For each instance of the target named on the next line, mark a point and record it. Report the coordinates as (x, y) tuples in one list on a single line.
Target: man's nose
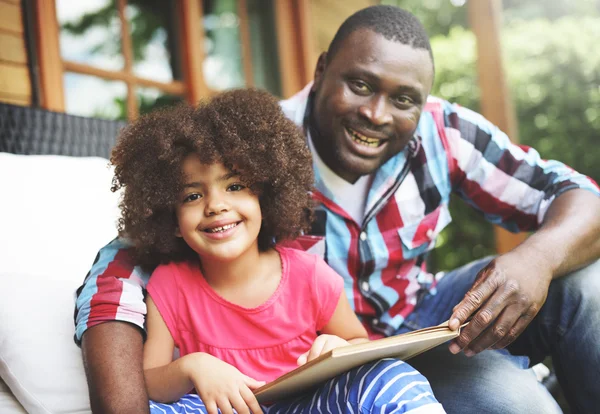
[(376, 110), (215, 204)]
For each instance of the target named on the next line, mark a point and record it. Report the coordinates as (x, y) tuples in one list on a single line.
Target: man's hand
[(222, 386), (323, 344), (506, 296)]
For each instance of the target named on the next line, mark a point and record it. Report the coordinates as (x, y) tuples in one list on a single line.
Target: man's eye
[(404, 100), (192, 197), (359, 87), (235, 187)]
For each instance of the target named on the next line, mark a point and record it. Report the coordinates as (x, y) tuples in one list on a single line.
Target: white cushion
[(8, 402), (55, 213)]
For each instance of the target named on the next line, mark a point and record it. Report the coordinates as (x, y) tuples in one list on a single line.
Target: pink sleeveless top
[(264, 342)]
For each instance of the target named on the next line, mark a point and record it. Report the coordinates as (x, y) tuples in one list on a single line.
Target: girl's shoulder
[(171, 272), (297, 257), (302, 263)]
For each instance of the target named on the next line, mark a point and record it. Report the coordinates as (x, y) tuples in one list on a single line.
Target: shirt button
[(375, 322), (429, 233), (363, 236), (365, 286)]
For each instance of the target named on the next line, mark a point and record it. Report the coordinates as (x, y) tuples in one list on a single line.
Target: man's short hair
[(393, 23)]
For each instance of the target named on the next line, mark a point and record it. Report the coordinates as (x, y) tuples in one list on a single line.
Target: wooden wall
[(15, 82), (326, 18)]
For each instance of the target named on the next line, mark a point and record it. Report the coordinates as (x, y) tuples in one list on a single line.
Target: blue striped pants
[(386, 386)]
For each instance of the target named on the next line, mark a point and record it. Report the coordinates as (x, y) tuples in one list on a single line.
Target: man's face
[(367, 103)]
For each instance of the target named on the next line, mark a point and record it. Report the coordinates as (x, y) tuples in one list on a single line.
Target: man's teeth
[(363, 140), (221, 229)]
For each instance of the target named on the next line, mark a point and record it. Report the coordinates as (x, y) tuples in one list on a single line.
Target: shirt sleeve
[(113, 290), (164, 291), (511, 184), (328, 289)]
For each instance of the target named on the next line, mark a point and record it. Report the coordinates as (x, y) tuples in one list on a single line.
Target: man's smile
[(364, 139)]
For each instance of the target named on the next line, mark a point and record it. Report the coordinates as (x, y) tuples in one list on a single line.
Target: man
[(387, 157)]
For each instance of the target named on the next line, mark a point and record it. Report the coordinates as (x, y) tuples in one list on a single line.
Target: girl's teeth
[(222, 229)]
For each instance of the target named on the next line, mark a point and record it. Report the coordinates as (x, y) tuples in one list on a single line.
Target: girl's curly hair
[(243, 128)]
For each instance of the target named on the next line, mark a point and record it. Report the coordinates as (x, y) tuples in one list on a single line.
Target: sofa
[(56, 211)]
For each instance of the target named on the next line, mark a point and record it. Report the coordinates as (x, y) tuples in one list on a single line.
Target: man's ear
[(319, 71)]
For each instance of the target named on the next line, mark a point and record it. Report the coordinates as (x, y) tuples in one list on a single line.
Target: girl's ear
[(177, 232)]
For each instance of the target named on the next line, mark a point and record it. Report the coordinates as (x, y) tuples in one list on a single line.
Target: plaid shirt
[(382, 260)]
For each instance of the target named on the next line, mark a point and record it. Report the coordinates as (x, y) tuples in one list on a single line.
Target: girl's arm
[(345, 324), (343, 329), (220, 385), (166, 380)]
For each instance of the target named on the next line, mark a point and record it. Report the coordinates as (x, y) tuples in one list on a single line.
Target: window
[(118, 59)]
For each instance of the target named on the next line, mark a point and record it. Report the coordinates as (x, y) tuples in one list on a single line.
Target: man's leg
[(491, 382), (568, 328)]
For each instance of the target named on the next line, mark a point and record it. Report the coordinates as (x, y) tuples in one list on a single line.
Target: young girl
[(208, 192)]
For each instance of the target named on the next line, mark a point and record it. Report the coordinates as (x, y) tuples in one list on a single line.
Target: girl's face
[(218, 216)]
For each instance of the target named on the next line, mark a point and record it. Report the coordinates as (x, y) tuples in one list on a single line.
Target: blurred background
[(531, 66)]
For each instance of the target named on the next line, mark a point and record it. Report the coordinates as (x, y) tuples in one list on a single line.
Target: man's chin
[(353, 169)]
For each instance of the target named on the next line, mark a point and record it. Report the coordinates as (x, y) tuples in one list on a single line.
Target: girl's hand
[(323, 344), (222, 386)]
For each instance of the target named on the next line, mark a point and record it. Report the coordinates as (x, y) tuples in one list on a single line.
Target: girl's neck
[(252, 266)]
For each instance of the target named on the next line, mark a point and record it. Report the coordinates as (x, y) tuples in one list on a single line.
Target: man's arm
[(112, 354), (514, 286), (514, 187), (109, 322)]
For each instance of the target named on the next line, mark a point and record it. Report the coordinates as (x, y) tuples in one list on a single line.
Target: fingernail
[(454, 348), (469, 353)]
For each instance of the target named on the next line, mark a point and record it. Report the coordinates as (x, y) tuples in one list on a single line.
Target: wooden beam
[(192, 51), (51, 68), (15, 99), (485, 17), (10, 18), (13, 49), (127, 50), (14, 80), (294, 41), (242, 10), (173, 88)]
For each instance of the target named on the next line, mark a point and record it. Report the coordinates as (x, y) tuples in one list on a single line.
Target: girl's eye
[(192, 197), (359, 87), (235, 187)]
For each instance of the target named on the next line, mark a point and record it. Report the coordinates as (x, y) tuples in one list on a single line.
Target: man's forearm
[(569, 238), (112, 354)]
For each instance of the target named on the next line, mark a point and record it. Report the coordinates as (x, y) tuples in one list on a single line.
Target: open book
[(340, 360)]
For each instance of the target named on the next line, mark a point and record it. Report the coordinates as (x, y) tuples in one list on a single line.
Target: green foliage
[(438, 16), (146, 18), (553, 70)]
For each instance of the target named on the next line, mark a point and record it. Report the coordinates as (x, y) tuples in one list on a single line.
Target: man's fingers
[(251, 401), (495, 332), (485, 317), (472, 301), (516, 330)]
